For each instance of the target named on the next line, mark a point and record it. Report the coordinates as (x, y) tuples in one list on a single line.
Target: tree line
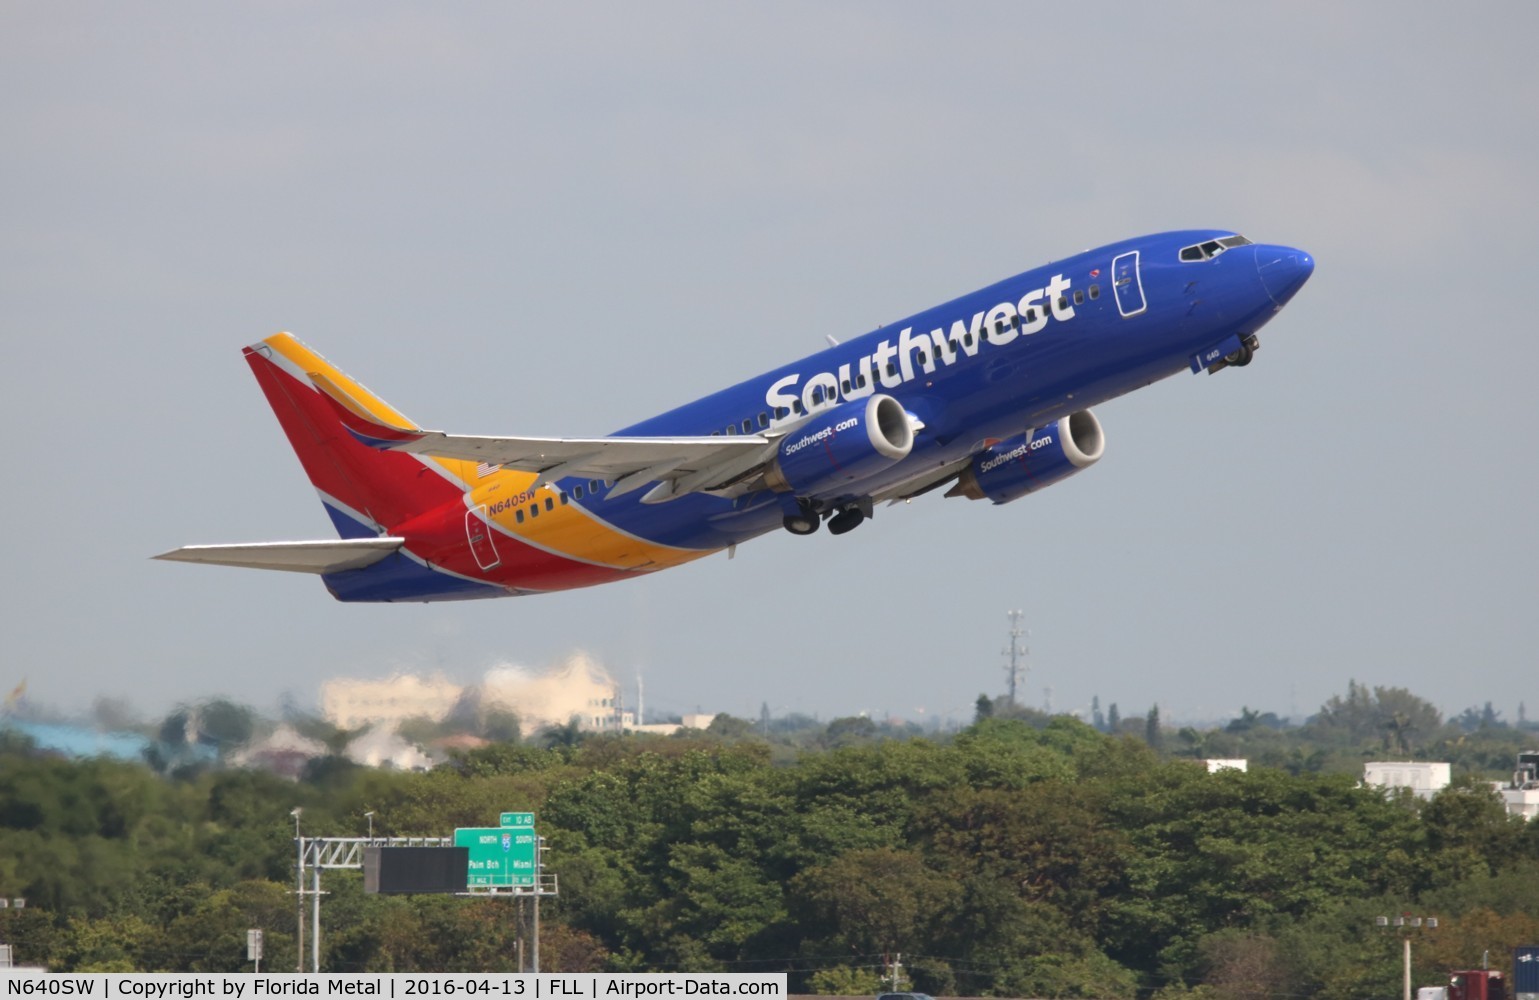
[(1025, 855)]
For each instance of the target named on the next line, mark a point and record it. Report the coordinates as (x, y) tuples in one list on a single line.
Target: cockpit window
[(1212, 248)]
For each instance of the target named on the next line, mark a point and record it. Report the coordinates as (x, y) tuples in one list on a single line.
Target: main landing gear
[(802, 524), (846, 518), (805, 521)]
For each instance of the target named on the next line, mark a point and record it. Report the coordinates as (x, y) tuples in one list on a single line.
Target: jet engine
[(1027, 462), (841, 446)]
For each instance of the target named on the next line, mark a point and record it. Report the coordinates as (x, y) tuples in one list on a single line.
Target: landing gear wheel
[(802, 524), (847, 519), (1240, 358)]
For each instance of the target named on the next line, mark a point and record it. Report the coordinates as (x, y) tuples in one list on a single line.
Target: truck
[(1476, 984)]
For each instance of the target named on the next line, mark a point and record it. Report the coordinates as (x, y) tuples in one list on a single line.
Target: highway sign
[(516, 819), (499, 856)]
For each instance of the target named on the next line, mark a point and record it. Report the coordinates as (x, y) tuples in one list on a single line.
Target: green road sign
[(516, 819), (501, 856)]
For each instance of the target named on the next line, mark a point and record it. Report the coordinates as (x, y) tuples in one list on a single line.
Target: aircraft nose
[(1283, 271)]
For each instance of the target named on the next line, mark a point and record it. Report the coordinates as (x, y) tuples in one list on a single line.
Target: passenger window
[(577, 491), (518, 515), (763, 419), (731, 430), (845, 385), (593, 486), (892, 368), (817, 395), (564, 499), (534, 510), (1095, 291), (549, 503), (1063, 302), (747, 426), (1079, 297)]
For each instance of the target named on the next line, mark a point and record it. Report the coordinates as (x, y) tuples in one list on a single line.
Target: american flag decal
[(485, 469)]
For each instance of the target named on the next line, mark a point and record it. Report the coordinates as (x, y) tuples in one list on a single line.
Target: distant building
[(348, 703), (1425, 778), (1227, 764), (386, 748), (698, 720), (1522, 796), (285, 752), (78, 741), (1520, 801), (656, 728), (577, 688)]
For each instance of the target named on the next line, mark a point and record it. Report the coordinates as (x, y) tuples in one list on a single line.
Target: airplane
[(989, 394)]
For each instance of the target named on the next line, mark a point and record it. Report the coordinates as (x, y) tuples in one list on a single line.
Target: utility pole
[(1017, 653), (299, 893), (895, 972)]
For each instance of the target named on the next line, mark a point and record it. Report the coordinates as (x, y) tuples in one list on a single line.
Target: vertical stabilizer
[(366, 491)]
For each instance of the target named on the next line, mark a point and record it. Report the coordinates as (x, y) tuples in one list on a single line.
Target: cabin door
[(479, 534), (1128, 284)]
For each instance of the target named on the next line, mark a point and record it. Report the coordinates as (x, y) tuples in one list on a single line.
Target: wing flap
[(327, 556), (603, 458), (699, 462)]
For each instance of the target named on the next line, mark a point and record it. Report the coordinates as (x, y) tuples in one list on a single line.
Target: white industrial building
[(1424, 777)]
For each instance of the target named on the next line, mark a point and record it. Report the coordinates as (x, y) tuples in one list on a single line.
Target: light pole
[(299, 892), (370, 817), (1405, 923)]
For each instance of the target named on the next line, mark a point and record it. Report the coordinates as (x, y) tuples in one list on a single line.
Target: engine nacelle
[(841, 446), (1025, 463)]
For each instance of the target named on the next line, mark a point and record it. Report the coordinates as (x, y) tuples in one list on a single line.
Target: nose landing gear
[(1239, 358)]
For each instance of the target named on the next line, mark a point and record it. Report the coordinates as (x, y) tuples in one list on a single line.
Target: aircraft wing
[(329, 556), (681, 464), (693, 462)]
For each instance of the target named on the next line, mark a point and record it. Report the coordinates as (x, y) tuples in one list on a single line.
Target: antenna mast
[(1017, 653)]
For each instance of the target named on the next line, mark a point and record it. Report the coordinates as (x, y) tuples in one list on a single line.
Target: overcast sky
[(560, 219)]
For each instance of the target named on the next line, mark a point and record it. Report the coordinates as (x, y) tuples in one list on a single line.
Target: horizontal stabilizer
[(296, 557)]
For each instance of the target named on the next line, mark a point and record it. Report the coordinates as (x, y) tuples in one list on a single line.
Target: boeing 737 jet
[(988, 395)]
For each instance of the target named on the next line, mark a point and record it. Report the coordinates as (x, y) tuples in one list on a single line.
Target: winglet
[(362, 424)]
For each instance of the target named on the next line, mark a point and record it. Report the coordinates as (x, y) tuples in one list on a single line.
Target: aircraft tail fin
[(337, 428)]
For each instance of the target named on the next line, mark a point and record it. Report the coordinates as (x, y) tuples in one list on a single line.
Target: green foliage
[(1026, 855), (843, 981)]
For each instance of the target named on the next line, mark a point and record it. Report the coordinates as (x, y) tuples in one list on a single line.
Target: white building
[(578, 687), (1424, 777), (1520, 801), (1227, 764), (384, 747), (1522, 796), (348, 703)]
